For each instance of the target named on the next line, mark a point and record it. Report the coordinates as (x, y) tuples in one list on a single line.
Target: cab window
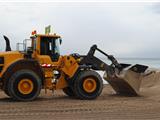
[(50, 46)]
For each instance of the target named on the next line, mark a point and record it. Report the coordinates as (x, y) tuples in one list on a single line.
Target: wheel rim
[(89, 85), (25, 86)]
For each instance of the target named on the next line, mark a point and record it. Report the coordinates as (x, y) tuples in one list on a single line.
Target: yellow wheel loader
[(40, 66)]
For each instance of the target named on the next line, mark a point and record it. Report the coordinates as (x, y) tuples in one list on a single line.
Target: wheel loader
[(24, 73)]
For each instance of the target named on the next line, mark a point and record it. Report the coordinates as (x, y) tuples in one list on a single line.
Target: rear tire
[(68, 91), (88, 85), (24, 85)]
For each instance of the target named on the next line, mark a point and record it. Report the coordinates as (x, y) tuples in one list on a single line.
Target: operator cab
[(47, 45)]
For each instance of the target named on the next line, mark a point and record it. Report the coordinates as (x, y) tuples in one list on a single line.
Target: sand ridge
[(150, 86)]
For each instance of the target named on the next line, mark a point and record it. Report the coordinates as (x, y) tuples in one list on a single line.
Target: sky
[(124, 29)]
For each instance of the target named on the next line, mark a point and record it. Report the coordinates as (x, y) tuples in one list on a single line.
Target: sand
[(107, 106)]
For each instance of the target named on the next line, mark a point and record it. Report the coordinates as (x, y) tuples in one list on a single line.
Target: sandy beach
[(107, 106)]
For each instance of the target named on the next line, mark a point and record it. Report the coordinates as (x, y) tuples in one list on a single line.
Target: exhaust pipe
[(8, 47)]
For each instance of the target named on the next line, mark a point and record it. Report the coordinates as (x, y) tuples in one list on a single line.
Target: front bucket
[(128, 81)]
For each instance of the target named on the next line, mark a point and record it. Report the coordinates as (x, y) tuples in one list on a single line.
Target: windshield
[(56, 48)]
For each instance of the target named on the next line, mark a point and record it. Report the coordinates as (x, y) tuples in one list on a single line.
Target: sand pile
[(150, 85)]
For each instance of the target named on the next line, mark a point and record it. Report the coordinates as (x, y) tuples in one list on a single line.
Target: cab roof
[(50, 35)]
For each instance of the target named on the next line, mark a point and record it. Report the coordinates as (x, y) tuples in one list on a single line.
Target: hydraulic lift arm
[(123, 81), (97, 64)]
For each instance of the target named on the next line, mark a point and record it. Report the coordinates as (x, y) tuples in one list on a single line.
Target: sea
[(151, 62)]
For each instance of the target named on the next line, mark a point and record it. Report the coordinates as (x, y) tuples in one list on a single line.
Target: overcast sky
[(124, 29)]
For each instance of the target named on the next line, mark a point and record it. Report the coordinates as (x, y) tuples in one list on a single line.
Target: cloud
[(156, 8), (122, 29)]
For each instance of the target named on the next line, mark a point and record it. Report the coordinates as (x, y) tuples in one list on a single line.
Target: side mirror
[(60, 41)]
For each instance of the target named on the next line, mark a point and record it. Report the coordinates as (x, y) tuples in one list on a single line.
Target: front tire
[(24, 85), (88, 85)]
